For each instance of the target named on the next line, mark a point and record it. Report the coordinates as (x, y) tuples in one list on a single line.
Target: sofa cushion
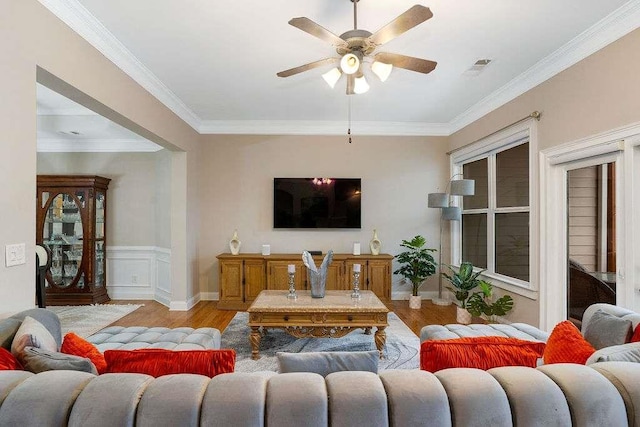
[(78, 346), (157, 362), (32, 333), (617, 353), (326, 362), (605, 330), (8, 329), (479, 352), (8, 361), (567, 345), (38, 360)]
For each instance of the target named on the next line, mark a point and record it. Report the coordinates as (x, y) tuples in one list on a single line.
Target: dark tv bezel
[(315, 228)]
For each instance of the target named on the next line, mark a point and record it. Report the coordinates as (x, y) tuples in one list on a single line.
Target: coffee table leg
[(380, 337), (255, 342)]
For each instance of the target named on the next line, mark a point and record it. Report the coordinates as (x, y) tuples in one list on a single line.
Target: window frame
[(488, 147)]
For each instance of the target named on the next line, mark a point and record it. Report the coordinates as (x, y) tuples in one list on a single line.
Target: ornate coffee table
[(333, 316)]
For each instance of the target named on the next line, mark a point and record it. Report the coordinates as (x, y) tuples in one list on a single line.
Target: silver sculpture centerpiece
[(317, 276)]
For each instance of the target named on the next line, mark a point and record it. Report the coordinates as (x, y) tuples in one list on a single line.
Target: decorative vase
[(415, 301), (317, 276), (318, 284), (463, 316), (375, 243), (234, 243)]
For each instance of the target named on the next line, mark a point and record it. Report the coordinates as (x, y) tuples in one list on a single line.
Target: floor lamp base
[(441, 301)]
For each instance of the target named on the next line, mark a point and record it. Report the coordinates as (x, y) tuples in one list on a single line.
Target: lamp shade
[(360, 85), (381, 70), (438, 200), (452, 213), (350, 63), (463, 187), (332, 76)]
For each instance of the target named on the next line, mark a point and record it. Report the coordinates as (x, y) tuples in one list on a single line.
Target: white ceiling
[(215, 63)]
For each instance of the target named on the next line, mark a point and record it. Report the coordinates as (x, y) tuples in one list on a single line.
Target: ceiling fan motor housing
[(357, 41)]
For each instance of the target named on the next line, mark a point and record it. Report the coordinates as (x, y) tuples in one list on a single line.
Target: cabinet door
[(279, 275), (254, 278), (379, 277), (348, 277), (231, 280), (335, 276)]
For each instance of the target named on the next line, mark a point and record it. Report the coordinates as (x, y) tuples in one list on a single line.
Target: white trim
[(184, 305), (80, 20), (299, 127), (143, 262), (609, 29), (404, 295), (55, 145), (614, 145)]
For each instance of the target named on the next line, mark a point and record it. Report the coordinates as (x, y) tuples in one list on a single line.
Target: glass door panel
[(100, 215), (99, 265)]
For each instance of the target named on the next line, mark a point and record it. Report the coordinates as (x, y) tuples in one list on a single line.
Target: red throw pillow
[(77, 346), (8, 361), (636, 334), (157, 362), (479, 352), (567, 345)]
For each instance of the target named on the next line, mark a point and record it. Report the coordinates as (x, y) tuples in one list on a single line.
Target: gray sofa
[(603, 394)]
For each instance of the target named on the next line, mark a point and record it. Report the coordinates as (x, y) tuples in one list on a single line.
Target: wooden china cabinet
[(71, 218)]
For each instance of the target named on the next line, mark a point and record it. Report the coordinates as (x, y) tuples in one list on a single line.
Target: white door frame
[(617, 146)]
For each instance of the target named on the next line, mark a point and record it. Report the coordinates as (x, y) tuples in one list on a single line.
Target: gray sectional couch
[(603, 394)]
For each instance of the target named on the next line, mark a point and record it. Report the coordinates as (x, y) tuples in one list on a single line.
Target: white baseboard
[(404, 295), (184, 305)]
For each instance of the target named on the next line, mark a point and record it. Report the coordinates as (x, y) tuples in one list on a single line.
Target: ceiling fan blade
[(409, 19), (351, 84), (406, 62), (308, 26), (306, 67)]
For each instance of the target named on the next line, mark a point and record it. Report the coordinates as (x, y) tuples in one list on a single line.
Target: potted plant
[(417, 264), (481, 302), (463, 282)]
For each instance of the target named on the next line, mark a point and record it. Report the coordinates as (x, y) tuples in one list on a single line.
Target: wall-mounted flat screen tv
[(316, 202)]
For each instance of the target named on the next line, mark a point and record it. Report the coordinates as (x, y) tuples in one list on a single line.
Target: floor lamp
[(458, 187)]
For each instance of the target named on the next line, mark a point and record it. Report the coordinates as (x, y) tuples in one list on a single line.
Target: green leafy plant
[(417, 263), (463, 282), (480, 302)]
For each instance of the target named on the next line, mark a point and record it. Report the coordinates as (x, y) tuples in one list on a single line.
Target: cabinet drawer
[(304, 319)]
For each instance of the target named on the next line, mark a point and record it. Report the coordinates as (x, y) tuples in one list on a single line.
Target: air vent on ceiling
[(69, 132), (478, 67)]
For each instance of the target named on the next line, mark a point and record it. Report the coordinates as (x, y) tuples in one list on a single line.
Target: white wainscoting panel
[(139, 272)]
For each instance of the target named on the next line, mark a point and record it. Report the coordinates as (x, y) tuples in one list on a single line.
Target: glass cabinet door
[(63, 235), (99, 253)]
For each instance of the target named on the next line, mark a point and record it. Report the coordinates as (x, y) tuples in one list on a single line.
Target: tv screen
[(316, 202)]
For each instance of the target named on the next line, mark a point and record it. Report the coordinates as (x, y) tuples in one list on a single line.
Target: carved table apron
[(333, 316)]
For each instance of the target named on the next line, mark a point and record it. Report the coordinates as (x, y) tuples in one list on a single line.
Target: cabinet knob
[(286, 318), (350, 318)]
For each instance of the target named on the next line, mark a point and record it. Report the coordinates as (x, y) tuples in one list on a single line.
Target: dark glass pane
[(512, 245), (512, 177), (474, 239), (477, 171)]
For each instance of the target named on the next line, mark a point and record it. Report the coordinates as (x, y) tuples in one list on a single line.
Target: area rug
[(86, 320), (402, 348)]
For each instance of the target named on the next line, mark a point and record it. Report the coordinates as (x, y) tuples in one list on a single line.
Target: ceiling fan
[(355, 45)]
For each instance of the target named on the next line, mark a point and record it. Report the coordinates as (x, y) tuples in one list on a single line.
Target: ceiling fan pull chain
[(349, 116)]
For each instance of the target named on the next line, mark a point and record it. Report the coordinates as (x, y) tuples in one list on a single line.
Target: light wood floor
[(206, 314)]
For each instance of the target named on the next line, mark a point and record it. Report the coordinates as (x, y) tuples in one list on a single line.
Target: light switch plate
[(15, 254)]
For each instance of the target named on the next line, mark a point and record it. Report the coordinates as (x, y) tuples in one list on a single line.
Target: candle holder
[(292, 287), (356, 285)]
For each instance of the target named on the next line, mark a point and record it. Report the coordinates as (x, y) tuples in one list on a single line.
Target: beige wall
[(236, 190), (600, 93), (33, 38), (137, 196)]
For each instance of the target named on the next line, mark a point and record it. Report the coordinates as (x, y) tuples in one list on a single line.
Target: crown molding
[(614, 26), (609, 29), (78, 18), (299, 127), (55, 145)]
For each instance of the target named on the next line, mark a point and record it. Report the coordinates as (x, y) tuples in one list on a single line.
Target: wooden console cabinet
[(243, 276)]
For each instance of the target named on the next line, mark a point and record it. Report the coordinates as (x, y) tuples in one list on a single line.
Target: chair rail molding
[(619, 145)]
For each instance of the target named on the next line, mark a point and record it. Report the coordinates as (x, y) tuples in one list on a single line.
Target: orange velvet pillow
[(636, 334), (567, 345), (157, 362), (479, 352), (8, 361), (78, 346)]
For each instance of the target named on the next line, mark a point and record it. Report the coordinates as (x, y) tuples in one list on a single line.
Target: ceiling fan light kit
[(355, 45)]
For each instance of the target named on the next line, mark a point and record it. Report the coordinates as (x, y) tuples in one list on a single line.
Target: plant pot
[(463, 316), (415, 301)]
